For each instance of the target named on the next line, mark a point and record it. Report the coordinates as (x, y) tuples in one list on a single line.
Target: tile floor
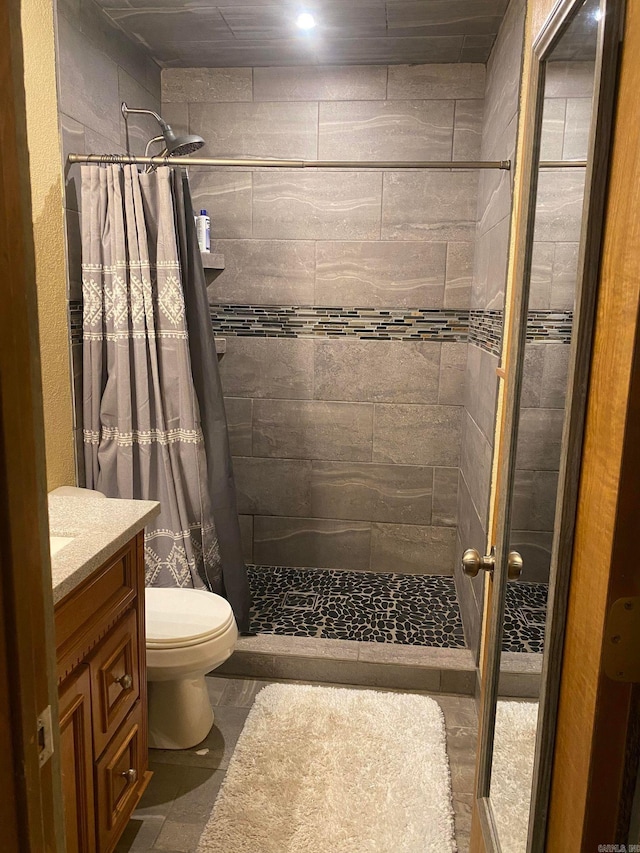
[(179, 799), (416, 610), (419, 610), (525, 615)]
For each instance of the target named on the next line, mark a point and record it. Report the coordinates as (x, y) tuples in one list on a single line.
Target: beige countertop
[(99, 527)]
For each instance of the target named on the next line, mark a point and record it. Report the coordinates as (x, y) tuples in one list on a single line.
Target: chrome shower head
[(181, 145), (174, 145)]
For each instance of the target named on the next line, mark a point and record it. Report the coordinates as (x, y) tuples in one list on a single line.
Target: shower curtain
[(154, 425)]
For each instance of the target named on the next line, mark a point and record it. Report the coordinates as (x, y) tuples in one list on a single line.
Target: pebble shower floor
[(419, 610)]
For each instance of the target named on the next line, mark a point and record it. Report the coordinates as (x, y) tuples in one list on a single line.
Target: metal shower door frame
[(609, 37)]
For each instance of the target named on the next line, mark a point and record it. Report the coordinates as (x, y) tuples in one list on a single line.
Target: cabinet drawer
[(119, 780), (84, 615), (115, 680)]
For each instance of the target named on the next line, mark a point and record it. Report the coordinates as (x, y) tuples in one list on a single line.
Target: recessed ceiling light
[(305, 21)]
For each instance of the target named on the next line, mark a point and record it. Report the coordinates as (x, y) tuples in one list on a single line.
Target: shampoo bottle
[(203, 231)]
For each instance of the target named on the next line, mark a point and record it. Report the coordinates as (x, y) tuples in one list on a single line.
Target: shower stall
[(360, 225)]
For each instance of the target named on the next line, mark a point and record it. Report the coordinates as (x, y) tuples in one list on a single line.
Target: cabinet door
[(115, 680), (77, 762)]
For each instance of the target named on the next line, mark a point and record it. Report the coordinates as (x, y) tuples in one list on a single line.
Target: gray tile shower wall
[(347, 449), (493, 215), (98, 68)]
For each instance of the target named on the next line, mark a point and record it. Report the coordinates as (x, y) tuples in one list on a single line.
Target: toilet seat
[(180, 618)]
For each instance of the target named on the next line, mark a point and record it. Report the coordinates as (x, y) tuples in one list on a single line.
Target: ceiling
[(194, 33)]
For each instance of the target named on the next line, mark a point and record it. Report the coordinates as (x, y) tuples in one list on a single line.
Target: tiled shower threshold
[(396, 631), (390, 665)]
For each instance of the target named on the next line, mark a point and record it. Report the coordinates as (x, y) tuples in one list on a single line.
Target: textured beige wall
[(48, 232)]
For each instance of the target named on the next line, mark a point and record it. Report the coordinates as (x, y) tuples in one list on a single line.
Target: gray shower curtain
[(154, 424)]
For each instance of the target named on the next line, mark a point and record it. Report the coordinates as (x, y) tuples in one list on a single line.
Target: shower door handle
[(472, 563), (514, 565)]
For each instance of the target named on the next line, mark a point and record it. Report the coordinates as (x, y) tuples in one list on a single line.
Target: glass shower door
[(547, 368)]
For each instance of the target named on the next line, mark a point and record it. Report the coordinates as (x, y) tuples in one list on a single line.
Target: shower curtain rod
[(125, 159), (290, 164)]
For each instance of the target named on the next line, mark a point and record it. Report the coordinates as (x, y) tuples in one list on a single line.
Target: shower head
[(174, 145), (181, 145)]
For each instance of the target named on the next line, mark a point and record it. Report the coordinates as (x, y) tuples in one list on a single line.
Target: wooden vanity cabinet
[(76, 750), (102, 686)]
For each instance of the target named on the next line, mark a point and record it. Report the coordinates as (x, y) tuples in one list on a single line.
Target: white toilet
[(189, 633)]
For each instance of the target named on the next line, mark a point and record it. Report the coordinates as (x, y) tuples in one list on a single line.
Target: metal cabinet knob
[(472, 562), (130, 775), (125, 681)]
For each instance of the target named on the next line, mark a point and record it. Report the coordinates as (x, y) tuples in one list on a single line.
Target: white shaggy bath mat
[(512, 772), (329, 770)]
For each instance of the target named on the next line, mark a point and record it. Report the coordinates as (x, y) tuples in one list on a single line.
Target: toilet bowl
[(189, 632)]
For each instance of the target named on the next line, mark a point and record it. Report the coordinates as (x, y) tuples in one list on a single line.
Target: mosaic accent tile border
[(75, 321), (418, 610), (483, 328), (550, 326), (315, 321)]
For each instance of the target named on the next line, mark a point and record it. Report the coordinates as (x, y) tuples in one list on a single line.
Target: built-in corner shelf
[(221, 346), (212, 261)]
